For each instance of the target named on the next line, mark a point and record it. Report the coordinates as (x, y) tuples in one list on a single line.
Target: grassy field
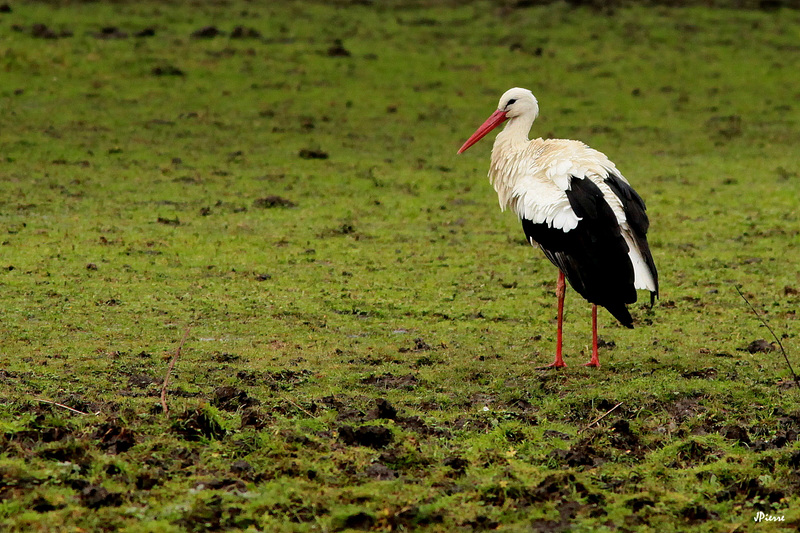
[(278, 183)]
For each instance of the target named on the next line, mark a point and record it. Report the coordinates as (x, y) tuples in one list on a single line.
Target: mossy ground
[(365, 325)]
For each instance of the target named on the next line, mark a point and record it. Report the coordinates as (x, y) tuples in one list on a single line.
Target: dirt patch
[(557, 487), (167, 70), (269, 202), (141, 381), (42, 31), (149, 479), (95, 497), (254, 418), (390, 381), (110, 32), (623, 438), (457, 464), (417, 425), (735, 433), (114, 438), (382, 410), (169, 221), (697, 513), (41, 430), (794, 460), (338, 49), (684, 409), (481, 523), (206, 32), (360, 520), (371, 436), (41, 505), (244, 32), (579, 455), (232, 399), (309, 153), (640, 502), (705, 373), (780, 440), (242, 468), (69, 450), (419, 346), (758, 346)]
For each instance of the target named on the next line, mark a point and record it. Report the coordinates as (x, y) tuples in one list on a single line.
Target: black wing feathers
[(634, 208), (594, 255)]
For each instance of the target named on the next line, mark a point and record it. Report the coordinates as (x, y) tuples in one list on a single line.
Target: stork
[(577, 207)]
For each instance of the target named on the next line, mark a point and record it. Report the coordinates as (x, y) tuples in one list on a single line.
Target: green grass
[(131, 208)]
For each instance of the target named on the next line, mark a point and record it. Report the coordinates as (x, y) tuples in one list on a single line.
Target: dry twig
[(780, 345), (169, 371), (63, 406), (599, 418)]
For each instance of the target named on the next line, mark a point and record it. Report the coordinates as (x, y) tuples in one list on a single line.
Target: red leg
[(561, 291), (595, 361)]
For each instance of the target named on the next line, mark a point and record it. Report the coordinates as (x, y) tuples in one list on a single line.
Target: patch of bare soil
[(255, 419), (110, 32), (95, 497), (758, 346), (206, 32), (579, 455), (623, 438), (390, 381), (271, 201), (312, 153), (232, 399), (113, 438), (371, 436)]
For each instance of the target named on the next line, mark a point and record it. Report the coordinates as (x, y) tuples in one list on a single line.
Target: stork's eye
[(511, 102)]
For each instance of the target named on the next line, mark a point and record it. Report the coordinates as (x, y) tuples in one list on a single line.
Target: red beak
[(497, 118)]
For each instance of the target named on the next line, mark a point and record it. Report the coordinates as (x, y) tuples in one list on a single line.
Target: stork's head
[(516, 102)]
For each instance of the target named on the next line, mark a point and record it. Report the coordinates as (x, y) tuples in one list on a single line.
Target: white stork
[(577, 207)]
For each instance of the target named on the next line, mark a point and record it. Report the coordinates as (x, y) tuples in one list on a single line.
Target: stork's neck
[(509, 146), (515, 135)]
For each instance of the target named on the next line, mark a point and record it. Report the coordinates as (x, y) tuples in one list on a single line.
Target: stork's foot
[(558, 363), (593, 363)]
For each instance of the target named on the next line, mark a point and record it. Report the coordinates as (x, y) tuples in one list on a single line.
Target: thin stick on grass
[(296, 405), (169, 371), (68, 408), (599, 418), (780, 345)]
